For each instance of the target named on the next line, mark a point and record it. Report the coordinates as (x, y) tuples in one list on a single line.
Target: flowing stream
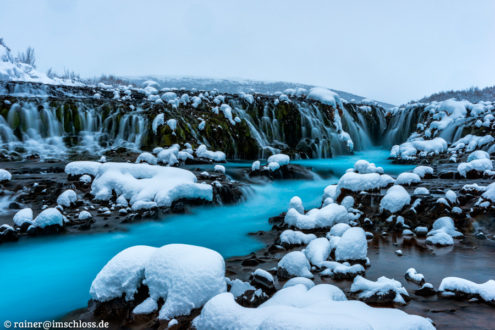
[(46, 277)]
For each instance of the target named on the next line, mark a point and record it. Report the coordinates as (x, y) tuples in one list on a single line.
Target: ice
[(295, 264), (352, 245), (395, 199), (23, 216), (292, 237)]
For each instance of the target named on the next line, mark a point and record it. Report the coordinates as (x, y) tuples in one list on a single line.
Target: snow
[(395, 199), (82, 167), (84, 215), (409, 150), (299, 280), (67, 198), (317, 251), (490, 192), (364, 167), (146, 157), (273, 166), (85, 179), (479, 165), (5, 175), (297, 204), (366, 289), (169, 156), (408, 178), (296, 307), (421, 191), (281, 159), (123, 274), (347, 202), (339, 229), (440, 238), (203, 152), (142, 182), (362, 182), (219, 169), (325, 96), (263, 274), (227, 112), (451, 196), (478, 154), (255, 166), (485, 291), (157, 122), (317, 218), (413, 276), (295, 264), (185, 276), (23, 216), (422, 171), (49, 217), (471, 142), (341, 270), (292, 237), (446, 225), (238, 287), (172, 123), (352, 245)]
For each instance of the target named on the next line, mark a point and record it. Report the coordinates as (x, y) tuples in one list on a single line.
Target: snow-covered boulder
[(421, 191), (67, 198), (341, 271), (408, 178), (352, 246), (294, 264), (297, 204), (256, 165), (299, 280), (49, 217), (395, 199), (219, 169), (363, 167), (317, 251), (84, 215), (280, 159), (460, 287), (147, 157), (216, 156), (446, 225), (184, 276), (293, 237), (5, 175), (327, 216), (476, 165), (423, 171), (356, 182), (413, 276), (24, 216), (383, 290), (339, 229)]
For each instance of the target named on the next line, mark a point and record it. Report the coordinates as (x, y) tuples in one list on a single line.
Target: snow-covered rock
[(462, 287), (327, 216), (352, 245), (339, 229), (380, 290), (408, 178), (292, 237), (281, 159), (341, 271), (299, 280), (84, 215), (421, 191), (363, 167), (476, 165), (23, 216), (294, 264), (317, 251), (219, 169), (67, 198), (203, 152), (185, 276), (256, 165), (5, 175), (297, 204), (422, 171), (395, 199), (147, 157), (49, 217), (413, 276)]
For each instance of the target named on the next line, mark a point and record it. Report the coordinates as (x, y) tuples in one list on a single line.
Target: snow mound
[(422, 171), (281, 159), (383, 286), (413, 276), (460, 286), (185, 276), (67, 198), (339, 229), (325, 96), (477, 165), (352, 245), (140, 183), (408, 178), (327, 216), (49, 217), (296, 307), (23, 216), (362, 182), (317, 251), (292, 237), (147, 157), (5, 175), (294, 264), (203, 152), (297, 204), (395, 199), (410, 149), (364, 167)]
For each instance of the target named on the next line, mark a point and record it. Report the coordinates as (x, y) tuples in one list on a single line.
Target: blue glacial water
[(44, 278)]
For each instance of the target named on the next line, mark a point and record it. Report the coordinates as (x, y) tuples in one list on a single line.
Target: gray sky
[(392, 51)]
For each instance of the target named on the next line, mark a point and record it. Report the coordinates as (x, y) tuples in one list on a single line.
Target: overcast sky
[(392, 51)]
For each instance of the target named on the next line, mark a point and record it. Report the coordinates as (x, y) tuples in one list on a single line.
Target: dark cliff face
[(57, 121)]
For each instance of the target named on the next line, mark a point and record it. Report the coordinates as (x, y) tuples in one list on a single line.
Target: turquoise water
[(47, 277)]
